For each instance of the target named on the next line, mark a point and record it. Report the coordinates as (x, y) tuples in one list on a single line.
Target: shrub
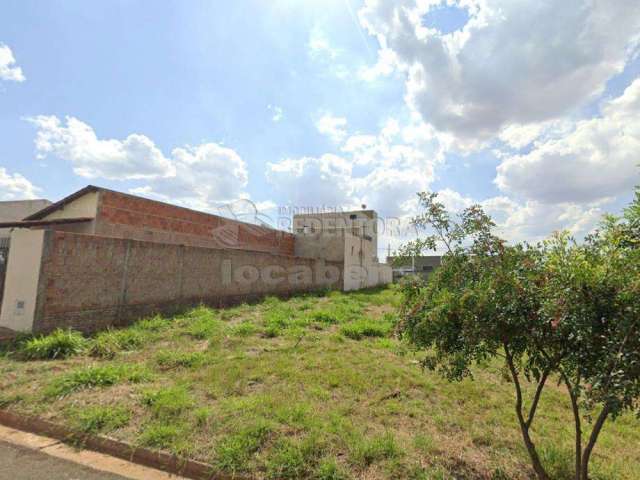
[(96, 376), (99, 418), (59, 344)]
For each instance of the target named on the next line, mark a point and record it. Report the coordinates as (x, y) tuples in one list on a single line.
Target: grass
[(94, 376), (59, 344), (101, 419), (313, 387)]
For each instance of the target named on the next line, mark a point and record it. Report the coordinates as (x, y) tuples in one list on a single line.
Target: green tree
[(557, 310)]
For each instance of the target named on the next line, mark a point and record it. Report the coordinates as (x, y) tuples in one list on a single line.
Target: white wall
[(21, 281)]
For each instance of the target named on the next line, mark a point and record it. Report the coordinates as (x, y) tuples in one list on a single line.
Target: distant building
[(422, 265), (17, 210), (347, 237)]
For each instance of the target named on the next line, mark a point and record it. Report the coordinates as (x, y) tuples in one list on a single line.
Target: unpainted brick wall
[(127, 216), (91, 282)]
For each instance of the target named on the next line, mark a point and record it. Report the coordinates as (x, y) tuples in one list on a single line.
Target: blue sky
[(333, 102)]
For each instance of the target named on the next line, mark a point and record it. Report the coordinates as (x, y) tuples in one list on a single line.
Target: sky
[(530, 108)]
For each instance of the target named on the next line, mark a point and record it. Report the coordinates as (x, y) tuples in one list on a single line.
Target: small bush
[(365, 328), (59, 344), (107, 344), (168, 359), (169, 402), (98, 419), (96, 376), (234, 452)]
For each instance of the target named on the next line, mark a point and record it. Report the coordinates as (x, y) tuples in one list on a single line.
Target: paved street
[(19, 463)]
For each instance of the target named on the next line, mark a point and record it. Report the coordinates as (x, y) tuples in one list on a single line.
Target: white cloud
[(8, 69), (206, 176), (277, 113), (16, 187), (595, 159), (333, 127), (382, 171), (135, 157), (319, 46), (200, 177), (512, 63)]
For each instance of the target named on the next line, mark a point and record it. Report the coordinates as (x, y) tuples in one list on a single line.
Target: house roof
[(43, 223), (61, 203)]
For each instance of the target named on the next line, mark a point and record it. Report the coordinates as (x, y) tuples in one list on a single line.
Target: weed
[(107, 344), (95, 376), (203, 416), (99, 419), (169, 402), (292, 460), (329, 470), (365, 328), (244, 329), (153, 324), (324, 316), (368, 451), (59, 344), (169, 359), (161, 435), (234, 452)]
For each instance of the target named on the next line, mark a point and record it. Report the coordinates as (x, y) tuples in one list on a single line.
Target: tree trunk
[(578, 427), (586, 456), (524, 425)]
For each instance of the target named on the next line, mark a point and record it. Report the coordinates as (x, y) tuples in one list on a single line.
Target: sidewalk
[(24, 456)]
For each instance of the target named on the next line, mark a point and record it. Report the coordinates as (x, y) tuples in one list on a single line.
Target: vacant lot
[(312, 387)]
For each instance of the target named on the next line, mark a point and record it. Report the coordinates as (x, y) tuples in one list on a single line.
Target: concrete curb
[(154, 459)]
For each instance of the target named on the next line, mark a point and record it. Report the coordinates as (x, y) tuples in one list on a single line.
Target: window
[(353, 216), (427, 268)]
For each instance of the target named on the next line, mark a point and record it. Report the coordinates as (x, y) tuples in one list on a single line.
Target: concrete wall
[(17, 210), (128, 216), (21, 285), (90, 282)]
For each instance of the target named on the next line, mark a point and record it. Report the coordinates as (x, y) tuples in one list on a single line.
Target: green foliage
[(108, 343), (101, 419), (96, 376), (59, 344), (557, 308)]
